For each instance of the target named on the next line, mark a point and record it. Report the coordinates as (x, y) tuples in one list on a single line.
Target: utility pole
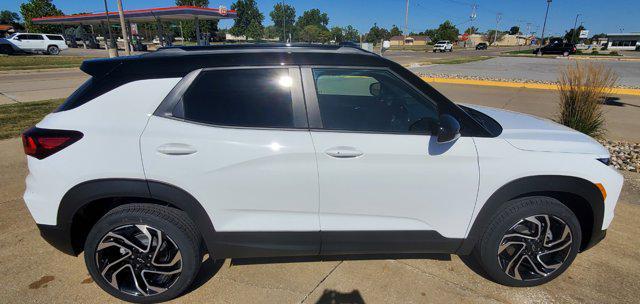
[(544, 25), (106, 45), (406, 22), (498, 18), (125, 37), (573, 35)]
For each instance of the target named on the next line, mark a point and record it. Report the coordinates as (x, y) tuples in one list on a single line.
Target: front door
[(380, 170)]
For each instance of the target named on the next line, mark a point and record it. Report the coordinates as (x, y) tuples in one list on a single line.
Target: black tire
[(53, 50), (177, 232), (486, 251)]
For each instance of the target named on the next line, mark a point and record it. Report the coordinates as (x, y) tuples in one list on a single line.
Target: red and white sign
[(222, 10)]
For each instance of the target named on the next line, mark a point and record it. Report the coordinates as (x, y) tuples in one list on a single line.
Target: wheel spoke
[(139, 260), (534, 247)]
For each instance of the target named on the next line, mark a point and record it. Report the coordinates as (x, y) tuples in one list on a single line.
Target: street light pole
[(543, 28), (125, 37), (495, 36), (406, 22), (573, 35), (284, 23)]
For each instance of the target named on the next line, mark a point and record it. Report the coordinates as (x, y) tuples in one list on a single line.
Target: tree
[(271, 32), (313, 17), (337, 34), (395, 31), (9, 17), (446, 31), (351, 34), (491, 36), (571, 37), (37, 9), (283, 15), (471, 30), (515, 30), (249, 20), (189, 26), (313, 33)]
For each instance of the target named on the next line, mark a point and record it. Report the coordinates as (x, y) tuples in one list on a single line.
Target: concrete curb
[(539, 86)]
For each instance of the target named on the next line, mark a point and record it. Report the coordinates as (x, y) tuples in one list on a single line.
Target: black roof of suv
[(179, 61)]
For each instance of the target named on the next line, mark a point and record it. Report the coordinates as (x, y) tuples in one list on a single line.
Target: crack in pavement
[(8, 96), (520, 89), (260, 287), (320, 283), (473, 291)]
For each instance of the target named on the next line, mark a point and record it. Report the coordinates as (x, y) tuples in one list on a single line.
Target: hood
[(531, 133)]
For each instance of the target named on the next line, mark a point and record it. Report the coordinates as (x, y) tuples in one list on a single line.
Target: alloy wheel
[(138, 260), (534, 247)]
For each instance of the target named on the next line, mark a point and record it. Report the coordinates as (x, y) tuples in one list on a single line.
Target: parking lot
[(34, 272)]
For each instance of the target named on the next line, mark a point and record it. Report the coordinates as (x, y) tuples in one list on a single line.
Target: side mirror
[(448, 130), (375, 89)]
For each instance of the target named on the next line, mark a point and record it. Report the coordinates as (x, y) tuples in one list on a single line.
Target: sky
[(611, 16)]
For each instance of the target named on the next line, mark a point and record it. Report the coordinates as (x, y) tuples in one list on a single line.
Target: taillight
[(41, 143)]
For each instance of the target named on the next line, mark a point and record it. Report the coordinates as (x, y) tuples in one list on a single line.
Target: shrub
[(583, 88), (614, 53), (595, 52)]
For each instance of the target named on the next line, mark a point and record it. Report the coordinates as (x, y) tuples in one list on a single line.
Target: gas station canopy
[(176, 13)]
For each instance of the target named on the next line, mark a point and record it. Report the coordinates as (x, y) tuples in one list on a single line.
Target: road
[(34, 272), (32, 86), (530, 68)]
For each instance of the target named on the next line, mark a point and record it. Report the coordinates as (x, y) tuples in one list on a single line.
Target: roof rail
[(256, 47)]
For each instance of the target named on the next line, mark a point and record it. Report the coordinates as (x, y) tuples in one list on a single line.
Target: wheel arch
[(574, 192), (84, 204)]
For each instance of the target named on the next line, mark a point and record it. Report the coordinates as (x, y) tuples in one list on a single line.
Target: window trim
[(300, 122), (313, 107)]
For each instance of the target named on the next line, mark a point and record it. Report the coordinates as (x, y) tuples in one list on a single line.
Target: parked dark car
[(564, 49), (481, 46)]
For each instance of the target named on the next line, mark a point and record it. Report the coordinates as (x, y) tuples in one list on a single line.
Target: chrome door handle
[(343, 152), (176, 149)]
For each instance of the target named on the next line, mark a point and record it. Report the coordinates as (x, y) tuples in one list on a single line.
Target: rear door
[(383, 178), (237, 140)]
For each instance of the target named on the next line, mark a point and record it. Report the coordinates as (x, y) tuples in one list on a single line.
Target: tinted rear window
[(54, 37), (243, 97)]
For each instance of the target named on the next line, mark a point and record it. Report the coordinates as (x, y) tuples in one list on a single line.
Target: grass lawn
[(15, 118), (530, 52), (32, 62)]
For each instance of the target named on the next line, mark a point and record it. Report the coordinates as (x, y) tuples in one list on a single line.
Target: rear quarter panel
[(112, 124)]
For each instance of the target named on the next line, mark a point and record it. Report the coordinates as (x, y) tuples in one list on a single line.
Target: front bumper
[(58, 237)]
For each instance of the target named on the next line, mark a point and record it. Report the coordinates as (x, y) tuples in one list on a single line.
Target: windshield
[(441, 42), (13, 35)]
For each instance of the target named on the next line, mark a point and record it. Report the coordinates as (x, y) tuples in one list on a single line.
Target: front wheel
[(529, 242), (565, 54), (143, 253)]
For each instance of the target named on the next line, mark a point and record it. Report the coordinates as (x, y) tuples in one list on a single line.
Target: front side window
[(372, 101), (242, 97)]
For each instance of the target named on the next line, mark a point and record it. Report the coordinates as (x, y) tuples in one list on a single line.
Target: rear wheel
[(53, 50), (529, 242), (143, 253)]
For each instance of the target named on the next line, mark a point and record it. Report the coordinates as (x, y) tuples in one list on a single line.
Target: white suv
[(443, 46), (34, 43), (263, 151)]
